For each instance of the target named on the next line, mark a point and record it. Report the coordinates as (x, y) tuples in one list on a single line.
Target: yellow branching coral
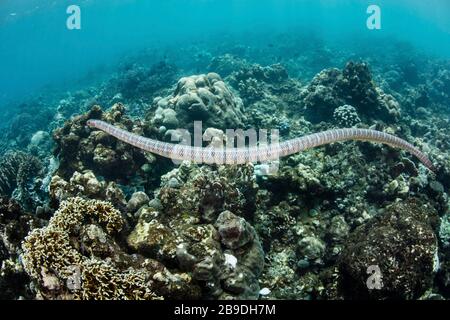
[(73, 212), (54, 256), (101, 281), (49, 250)]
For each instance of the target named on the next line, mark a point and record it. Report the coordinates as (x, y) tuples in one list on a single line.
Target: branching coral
[(73, 212), (77, 257), (102, 281), (52, 256)]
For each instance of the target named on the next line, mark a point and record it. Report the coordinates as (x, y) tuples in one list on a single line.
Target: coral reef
[(80, 149), (77, 147), (227, 64), (136, 81), (266, 86), (21, 177), (14, 226), (439, 87), (193, 223), (96, 218), (76, 257), (29, 118), (402, 243), (353, 85)]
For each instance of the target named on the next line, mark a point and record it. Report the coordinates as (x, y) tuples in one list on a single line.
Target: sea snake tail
[(257, 153)]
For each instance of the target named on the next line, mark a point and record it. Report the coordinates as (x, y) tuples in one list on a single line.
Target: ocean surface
[(98, 202)]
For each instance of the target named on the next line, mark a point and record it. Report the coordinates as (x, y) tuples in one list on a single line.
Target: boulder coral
[(195, 224), (353, 85), (202, 97), (346, 116), (402, 243)]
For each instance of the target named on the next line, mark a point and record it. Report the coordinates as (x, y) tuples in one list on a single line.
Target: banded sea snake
[(257, 153)]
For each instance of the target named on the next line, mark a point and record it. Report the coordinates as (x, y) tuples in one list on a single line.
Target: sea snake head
[(91, 123)]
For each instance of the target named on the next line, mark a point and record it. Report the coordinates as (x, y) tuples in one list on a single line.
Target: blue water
[(37, 50)]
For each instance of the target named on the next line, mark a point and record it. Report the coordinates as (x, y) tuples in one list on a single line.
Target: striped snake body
[(257, 153)]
